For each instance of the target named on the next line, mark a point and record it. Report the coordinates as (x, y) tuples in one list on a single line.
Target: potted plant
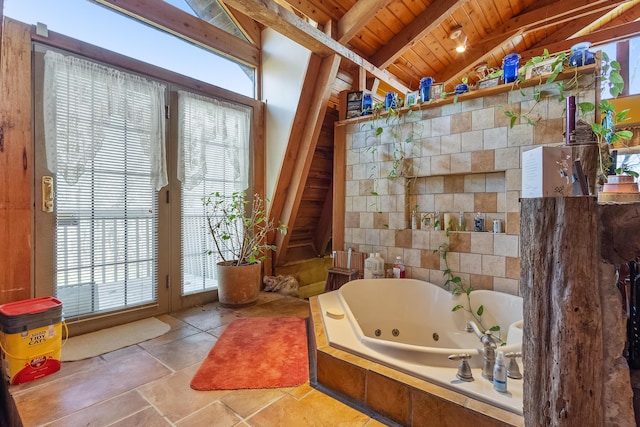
[(239, 228)]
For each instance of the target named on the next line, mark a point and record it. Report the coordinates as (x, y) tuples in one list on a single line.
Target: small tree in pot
[(239, 228)]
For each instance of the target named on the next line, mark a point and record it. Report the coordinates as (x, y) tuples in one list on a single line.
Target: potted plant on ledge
[(239, 227)]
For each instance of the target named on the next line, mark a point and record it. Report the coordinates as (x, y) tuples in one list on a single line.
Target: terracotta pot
[(238, 286)]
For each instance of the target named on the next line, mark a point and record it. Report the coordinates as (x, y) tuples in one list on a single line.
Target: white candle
[(447, 221)]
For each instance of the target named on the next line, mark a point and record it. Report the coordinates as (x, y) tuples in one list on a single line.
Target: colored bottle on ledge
[(398, 269)]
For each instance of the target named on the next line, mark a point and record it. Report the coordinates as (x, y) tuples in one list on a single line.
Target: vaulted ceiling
[(391, 44)]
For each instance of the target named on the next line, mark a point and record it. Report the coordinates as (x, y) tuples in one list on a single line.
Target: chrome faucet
[(488, 351)]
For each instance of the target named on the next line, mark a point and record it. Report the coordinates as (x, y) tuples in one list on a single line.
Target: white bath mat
[(110, 339)]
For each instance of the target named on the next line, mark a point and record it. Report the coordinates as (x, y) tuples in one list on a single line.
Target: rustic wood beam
[(272, 15), (175, 21), (321, 74), (339, 187), (358, 17), (559, 12), (426, 22), (620, 32), (16, 163), (250, 28)]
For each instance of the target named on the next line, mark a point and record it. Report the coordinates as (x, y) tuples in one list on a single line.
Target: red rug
[(260, 352)]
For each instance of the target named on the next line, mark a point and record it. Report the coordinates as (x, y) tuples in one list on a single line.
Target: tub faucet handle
[(513, 370), (464, 370)]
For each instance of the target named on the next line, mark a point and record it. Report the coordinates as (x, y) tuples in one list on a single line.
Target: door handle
[(47, 194)]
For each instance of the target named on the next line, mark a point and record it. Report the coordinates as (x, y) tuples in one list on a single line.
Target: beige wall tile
[(434, 184), (496, 100), (471, 263), (475, 183), (420, 239), (372, 237), (451, 109), (453, 259), (502, 120), (444, 203), (461, 122), (549, 132), (482, 243), (441, 126), (483, 119), (513, 223), (472, 141), (359, 236), (507, 158), (462, 202), (493, 265), (496, 182), (460, 242), (460, 162), (429, 259), (430, 113), (495, 137), (480, 281), (482, 161), (512, 268), (450, 143), (397, 221), (403, 239), (514, 179), (426, 202), (454, 184), (441, 164), (508, 286), (352, 219), (485, 202), (411, 257), (472, 104), (520, 135), (352, 188), (506, 244), (430, 146)]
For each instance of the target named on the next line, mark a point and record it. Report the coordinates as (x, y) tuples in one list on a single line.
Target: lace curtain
[(83, 101), (212, 134)]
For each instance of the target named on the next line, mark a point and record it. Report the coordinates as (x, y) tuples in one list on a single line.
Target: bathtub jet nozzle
[(464, 370)]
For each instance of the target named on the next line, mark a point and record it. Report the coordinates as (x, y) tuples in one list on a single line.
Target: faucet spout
[(472, 327)]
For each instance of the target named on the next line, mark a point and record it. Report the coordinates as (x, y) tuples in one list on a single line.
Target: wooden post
[(574, 324), (589, 157), (562, 347)]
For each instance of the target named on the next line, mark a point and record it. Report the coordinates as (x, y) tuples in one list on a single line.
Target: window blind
[(213, 155), (106, 216)]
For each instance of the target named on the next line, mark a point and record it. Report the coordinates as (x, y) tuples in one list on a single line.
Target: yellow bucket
[(30, 338)]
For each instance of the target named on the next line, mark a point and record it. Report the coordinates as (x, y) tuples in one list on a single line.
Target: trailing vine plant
[(611, 80), (460, 288)]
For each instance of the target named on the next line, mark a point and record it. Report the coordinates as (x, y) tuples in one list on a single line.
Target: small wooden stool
[(337, 277)]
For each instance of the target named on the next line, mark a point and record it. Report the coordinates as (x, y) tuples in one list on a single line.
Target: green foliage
[(239, 227), (459, 289)]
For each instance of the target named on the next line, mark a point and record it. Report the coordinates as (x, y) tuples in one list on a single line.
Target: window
[(213, 156), (104, 135)]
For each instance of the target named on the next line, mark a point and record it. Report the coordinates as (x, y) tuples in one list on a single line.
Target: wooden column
[(16, 158), (573, 318), (589, 157)]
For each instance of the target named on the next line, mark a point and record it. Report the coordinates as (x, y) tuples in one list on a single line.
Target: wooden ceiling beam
[(432, 17), (556, 13), (250, 28), (568, 30), (358, 17), (301, 147), (272, 15), (175, 21)]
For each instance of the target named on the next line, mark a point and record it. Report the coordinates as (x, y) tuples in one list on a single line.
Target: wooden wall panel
[(16, 169)]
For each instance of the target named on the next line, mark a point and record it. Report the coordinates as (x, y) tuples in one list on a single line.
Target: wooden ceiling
[(394, 43)]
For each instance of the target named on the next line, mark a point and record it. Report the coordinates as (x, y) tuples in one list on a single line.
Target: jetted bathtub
[(409, 325)]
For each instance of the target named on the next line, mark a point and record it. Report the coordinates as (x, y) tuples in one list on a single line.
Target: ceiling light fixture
[(460, 37)]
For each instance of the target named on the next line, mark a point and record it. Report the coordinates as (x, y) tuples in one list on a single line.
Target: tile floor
[(148, 384)]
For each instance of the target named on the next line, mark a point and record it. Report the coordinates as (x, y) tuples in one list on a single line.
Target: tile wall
[(458, 156)]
